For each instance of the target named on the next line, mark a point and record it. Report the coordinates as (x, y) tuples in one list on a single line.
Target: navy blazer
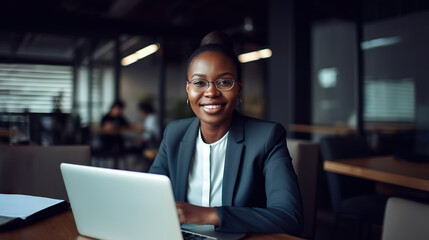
[(260, 191)]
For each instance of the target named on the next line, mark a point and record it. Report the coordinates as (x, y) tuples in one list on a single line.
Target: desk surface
[(122, 131), (346, 130), (384, 169), (62, 226)]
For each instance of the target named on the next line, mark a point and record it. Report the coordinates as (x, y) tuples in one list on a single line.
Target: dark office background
[(333, 62), (346, 64)]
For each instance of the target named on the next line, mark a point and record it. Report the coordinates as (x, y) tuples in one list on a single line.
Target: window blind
[(34, 87), (390, 100)]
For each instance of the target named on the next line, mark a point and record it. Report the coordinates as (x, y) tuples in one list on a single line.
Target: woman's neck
[(212, 133)]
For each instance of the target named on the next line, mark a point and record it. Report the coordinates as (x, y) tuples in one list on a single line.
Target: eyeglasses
[(222, 84)]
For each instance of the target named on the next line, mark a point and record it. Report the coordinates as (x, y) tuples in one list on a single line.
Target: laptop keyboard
[(193, 236)]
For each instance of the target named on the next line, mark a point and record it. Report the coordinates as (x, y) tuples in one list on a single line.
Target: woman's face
[(212, 106)]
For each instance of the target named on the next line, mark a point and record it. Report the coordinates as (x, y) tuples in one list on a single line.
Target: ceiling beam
[(29, 60), (120, 8), (16, 40), (80, 25)]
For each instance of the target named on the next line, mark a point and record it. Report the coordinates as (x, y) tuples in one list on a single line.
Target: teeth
[(212, 106)]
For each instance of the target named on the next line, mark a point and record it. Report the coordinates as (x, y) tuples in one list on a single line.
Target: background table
[(342, 129), (384, 169)]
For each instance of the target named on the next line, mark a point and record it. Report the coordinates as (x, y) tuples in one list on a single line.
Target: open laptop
[(118, 204)]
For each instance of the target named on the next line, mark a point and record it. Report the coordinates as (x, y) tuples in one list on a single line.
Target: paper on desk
[(22, 206)]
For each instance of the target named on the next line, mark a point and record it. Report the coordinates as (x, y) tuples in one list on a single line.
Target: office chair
[(35, 170), (352, 198), (305, 156), (405, 219)]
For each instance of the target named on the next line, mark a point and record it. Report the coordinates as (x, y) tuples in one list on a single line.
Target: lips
[(212, 108)]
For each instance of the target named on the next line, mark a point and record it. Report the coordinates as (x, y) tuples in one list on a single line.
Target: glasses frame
[(215, 82)]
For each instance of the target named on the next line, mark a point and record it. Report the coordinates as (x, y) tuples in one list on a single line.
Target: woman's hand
[(137, 127), (189, 213), (108, 126)]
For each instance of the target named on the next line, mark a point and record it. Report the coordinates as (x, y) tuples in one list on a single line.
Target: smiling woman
[(215, 104), (226, 169)]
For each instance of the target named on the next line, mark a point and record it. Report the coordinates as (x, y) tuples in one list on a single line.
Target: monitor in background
[(422, 130), (421, 143), (420, 149)]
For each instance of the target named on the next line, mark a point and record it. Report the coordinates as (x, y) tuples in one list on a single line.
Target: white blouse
[(206, 172)]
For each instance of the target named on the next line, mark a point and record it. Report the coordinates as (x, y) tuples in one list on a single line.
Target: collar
[(232, 158)]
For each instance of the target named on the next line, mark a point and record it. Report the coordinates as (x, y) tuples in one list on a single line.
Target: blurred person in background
[(114, 120), (151, 131), (111, 126)]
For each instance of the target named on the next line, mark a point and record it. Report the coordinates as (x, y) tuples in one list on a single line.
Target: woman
[(226, 169)]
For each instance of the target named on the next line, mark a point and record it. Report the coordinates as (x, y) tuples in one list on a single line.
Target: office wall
[(397, 56), (176, 95), (333, 45), (289, 69), (405, 59), (254, 86), (138, 81), (280, 67)]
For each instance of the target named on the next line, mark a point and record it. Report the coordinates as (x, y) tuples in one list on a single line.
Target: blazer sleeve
[(283, 211)]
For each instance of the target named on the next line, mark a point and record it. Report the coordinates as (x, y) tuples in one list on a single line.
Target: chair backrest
[(405, 219), (35, 170), (341, 147), (305, 161)]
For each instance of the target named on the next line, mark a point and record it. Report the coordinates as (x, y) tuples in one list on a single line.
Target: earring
[(187, 102), (239, 103)]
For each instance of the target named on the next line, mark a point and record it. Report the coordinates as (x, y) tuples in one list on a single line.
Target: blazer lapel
[(234, 151), (186, 151)]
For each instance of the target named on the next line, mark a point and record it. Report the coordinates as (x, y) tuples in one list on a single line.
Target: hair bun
[(218, 38)]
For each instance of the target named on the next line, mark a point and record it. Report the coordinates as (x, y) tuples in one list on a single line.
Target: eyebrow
[(224, 74), (198, 75), (218, 76)]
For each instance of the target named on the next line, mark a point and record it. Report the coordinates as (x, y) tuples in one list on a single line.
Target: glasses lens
[(200, 84), (224, 84), (221, 84)]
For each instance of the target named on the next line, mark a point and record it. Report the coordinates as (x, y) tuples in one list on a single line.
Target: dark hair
[(217, 41), (118, 103), (147, 107)]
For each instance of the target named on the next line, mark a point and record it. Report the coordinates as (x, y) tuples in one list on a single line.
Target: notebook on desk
[(19, 210), (118, 204)]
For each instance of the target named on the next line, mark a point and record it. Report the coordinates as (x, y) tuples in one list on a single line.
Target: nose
[(212, 91)]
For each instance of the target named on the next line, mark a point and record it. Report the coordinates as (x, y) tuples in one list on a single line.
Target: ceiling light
[(144, 52), (255, 55), (248, 24), (380, 42), (328, 77)]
